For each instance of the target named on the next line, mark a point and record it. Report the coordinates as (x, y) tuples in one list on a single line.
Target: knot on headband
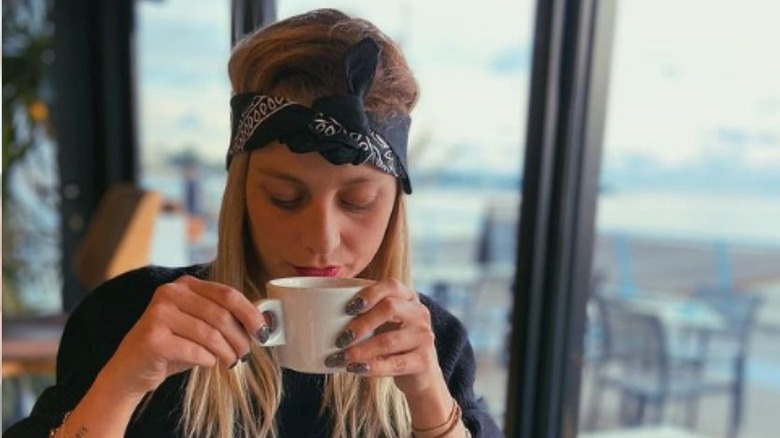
[(338, 127)]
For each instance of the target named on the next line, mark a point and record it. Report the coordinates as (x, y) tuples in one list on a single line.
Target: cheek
[(366, 237), (268, 233)]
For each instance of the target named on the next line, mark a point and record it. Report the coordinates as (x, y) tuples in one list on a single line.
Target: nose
[(320, 231)]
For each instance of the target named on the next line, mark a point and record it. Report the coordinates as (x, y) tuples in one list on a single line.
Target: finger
[(370, 296), (216, 316), (413, 362), (389, 344), (204, 334), (232, 300), (390, 313), (189, 354)]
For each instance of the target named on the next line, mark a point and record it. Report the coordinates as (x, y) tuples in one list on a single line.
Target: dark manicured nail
[(270, 318), (358, 367), (246, 357), (233, 365), (336, 360), (263, 334), (355, 306), (345, 338)]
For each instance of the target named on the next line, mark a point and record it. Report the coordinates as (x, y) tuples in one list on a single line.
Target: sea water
[(439, 214)]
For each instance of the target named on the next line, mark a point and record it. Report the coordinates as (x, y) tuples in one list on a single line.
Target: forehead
[(276, 159)]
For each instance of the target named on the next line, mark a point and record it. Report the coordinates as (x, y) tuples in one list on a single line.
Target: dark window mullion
[(248, 15), (94, 115), (556, 226), (596, 45)]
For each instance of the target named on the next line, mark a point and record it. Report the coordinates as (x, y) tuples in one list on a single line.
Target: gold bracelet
[(61, 428), (443, 429)]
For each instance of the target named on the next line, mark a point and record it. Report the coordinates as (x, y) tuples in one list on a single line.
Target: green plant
[(29, 188)]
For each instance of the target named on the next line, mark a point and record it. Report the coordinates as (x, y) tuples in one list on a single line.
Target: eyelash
[(286, 204), (292, 204), (358, 208)]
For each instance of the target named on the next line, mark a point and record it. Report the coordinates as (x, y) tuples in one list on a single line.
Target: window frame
[(566, 114), (95, 116)]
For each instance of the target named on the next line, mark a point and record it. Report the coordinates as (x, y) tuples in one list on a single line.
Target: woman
[(316, 184)]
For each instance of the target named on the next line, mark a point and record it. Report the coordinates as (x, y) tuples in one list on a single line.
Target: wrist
[(111, 385), (430, 407), (115, 381), (450, 428), (103, 412)]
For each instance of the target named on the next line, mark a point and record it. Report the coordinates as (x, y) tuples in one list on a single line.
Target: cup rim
[(306, 282)]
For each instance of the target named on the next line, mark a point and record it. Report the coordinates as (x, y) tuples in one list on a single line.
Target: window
[(184, 128), (683, 316)]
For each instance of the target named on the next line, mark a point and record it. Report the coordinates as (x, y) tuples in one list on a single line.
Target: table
[(678, 313), (30, 343), (643, 432)]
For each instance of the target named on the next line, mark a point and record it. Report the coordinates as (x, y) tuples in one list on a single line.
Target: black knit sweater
[(101, 321)]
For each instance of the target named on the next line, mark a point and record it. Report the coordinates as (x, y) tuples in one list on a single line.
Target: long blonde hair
[(300, 58)]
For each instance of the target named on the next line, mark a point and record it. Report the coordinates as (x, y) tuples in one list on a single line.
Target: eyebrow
[(277, 174), (290, 178)]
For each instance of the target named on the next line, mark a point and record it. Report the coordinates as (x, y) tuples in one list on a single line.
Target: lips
[(328, 271)]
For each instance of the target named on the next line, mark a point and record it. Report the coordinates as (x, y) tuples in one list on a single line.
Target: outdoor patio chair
[(638, 363), (725, 352), (119, 235)]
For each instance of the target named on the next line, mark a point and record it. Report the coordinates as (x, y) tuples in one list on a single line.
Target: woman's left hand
[(402, 344)]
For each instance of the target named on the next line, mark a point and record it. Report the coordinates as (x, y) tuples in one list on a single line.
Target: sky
[(693, 92), (706, 79)]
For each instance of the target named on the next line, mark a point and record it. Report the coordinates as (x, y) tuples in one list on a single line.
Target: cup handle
[(274, 307)]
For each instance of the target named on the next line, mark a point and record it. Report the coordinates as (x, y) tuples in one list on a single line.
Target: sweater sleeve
[(456, 359)]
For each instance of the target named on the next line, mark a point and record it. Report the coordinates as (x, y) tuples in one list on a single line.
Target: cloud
[(691, 80), (183, 48), (678, 78), (183, 52), (207, 112)]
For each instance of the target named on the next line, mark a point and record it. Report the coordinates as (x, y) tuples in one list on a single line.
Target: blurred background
[(683, 320)]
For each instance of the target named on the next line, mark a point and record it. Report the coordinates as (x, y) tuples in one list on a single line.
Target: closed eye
[(360, 206), (287, 204)]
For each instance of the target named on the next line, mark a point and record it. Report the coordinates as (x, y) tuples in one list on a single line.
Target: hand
[(402, 345), (188, 323)]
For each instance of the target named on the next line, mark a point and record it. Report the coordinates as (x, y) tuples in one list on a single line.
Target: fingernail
[(270, 318), (358, 367), (263, 334), (336, 360), (355, 306), (345, 338), (233, 365), (246, 357)]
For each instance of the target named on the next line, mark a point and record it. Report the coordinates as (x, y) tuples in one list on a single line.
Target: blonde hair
[(300, 58)]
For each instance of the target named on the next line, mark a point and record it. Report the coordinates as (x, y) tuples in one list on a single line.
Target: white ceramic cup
[(309, 314)]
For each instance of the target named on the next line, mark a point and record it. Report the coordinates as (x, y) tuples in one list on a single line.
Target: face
[(310, 217)]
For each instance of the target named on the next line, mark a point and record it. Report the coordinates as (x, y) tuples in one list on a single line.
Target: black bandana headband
[(338, 127)]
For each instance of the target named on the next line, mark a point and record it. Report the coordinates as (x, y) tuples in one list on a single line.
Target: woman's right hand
[(188, 323)]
